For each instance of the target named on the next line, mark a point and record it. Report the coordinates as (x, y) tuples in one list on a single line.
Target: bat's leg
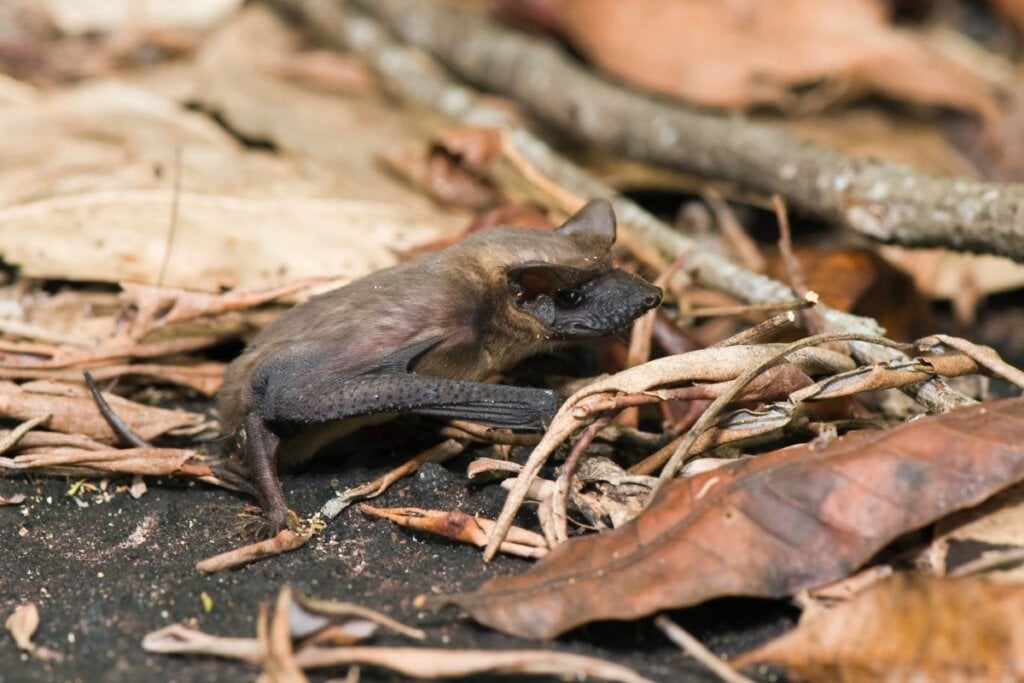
[(494, 405), (260, 447)]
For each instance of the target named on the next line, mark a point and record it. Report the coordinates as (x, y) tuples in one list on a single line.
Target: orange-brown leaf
[(910, 627), (736, 55), (768, 526)]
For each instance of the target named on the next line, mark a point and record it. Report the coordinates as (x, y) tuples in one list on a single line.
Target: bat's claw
[(270, 524)]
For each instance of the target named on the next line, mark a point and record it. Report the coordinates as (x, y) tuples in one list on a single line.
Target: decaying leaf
[(22, 625), (286, 541), (767, 526), (75, 462), (909, 627), (995, 527), (459, 526), (73, 411)]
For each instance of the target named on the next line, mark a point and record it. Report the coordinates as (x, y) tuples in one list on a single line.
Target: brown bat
[(420, 337)]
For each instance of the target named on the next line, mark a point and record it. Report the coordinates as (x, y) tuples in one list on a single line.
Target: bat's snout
[(653, 298)]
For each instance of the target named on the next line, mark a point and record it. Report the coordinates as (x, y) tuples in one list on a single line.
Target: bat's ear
[(592, 227), (533, 278)]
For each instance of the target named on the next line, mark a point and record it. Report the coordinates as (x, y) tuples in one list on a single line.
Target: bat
[(420, 337)]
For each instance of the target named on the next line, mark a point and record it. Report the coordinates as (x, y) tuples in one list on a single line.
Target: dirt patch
[(105, 575)]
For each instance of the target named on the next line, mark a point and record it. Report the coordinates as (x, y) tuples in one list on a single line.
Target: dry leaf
[(459, 526), (73, 17), (769, 526), (74, 462), (735, 55), (115, 175), (286, 541), (995, 526), (22, 625), (910, 627), (73, 411), (875, 132)]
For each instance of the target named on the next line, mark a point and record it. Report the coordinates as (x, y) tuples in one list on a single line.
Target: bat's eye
[(570, 298)]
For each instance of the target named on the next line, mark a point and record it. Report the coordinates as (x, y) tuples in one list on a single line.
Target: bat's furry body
[(420, 337)]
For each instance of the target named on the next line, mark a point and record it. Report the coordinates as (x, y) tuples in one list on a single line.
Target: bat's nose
[(653, 299)]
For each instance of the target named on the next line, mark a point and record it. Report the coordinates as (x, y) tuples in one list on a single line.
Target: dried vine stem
[(713, 411)]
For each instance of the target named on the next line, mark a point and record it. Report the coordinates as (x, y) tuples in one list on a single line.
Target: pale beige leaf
[(22, 625)]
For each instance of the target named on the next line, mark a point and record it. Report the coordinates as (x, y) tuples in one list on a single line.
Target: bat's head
[(581, 296)]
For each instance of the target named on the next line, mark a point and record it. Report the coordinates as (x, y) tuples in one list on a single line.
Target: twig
[(693, 647), (563, 484), (754, 334), (446, 450), (125, 434), (982, 355), (745, 309), (814, 323)]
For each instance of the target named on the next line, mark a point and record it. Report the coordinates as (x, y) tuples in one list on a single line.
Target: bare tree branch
[(886, 202)]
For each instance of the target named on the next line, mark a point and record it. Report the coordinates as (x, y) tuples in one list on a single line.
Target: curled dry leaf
[(284, 542), (74, 462), (459, 526), (179, 639), (445, 663), (768, 526), (335, 610), (909, 627), (16, 499), (22, 625)]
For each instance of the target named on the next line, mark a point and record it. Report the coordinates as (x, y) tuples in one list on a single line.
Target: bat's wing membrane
[(388, 387)]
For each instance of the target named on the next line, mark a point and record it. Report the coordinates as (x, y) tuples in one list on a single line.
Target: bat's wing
[(325, 395)]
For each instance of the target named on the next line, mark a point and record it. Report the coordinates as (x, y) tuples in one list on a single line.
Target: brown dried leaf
[(73, 411), (205, 378), (909, 627), (752, 53), (16, 499), (768, 526), (459, 526), (284, 542), (76, 462), (995, 526)]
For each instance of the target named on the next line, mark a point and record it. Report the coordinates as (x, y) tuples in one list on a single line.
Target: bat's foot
[(270, 524)]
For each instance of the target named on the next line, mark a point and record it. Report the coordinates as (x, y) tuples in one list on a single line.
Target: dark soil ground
[(105, 574)]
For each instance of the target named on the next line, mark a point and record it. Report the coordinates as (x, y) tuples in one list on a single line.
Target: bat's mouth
[(624, 316)]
